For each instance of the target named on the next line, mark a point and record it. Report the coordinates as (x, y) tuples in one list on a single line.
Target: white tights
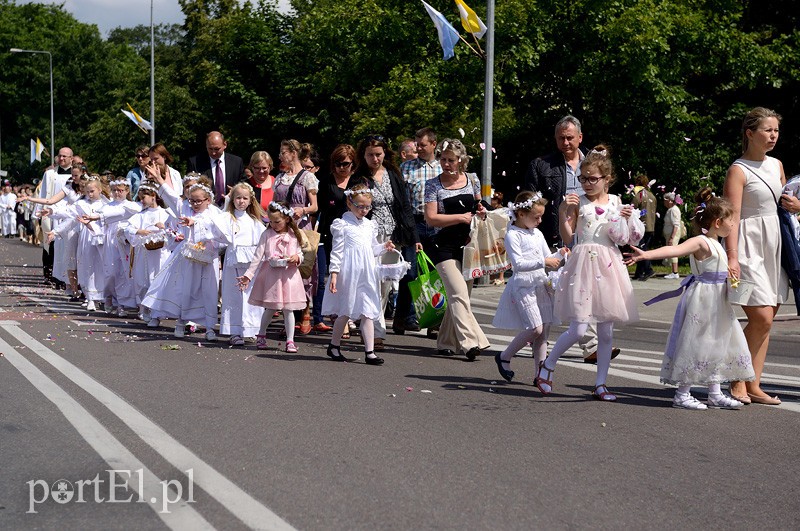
[(537, 337), (367, 328), (288, 323), (576, 330)]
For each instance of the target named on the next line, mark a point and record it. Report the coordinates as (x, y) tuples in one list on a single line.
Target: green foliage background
[(664, 82)]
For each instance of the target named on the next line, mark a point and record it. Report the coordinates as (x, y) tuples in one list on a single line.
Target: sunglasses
[(343, 164)]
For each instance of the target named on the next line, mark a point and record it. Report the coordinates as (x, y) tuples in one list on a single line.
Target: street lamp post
[(52, 115)]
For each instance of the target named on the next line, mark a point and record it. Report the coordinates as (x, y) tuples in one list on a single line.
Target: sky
[(109, 14)]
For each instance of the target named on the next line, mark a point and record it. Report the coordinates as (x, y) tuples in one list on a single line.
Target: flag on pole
[(140, 122), (36, 150), (448, 36), (470, 21)]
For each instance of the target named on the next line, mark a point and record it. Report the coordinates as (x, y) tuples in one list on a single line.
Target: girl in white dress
[(116, 249), (706, 345), (354, 281), (186, 287), (595, 286), (146, 231), (242, 227), (526, 304), (91, 237)]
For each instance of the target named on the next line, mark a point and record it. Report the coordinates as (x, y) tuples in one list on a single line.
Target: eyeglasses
[(365, 208), (591, 180), (307, 166), (141, 156), (342, 164), (262, 170), (194, 202)]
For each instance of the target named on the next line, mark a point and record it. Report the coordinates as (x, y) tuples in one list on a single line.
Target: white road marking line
[(234, 499), (113, 452)]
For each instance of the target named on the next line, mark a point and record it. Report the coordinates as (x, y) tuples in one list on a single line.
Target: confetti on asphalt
[(462, 387), (425, 391), (170, 347), (409, 389)]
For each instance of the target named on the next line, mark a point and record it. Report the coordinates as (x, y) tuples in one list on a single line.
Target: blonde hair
[(753, 119), (254, 209)]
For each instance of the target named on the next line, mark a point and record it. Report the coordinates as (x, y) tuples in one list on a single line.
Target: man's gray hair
[(566, 121)]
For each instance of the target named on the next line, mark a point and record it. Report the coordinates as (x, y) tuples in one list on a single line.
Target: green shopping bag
[(428, 294)]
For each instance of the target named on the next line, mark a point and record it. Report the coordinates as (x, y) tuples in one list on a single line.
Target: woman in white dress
[(753, 185), (8, 213)]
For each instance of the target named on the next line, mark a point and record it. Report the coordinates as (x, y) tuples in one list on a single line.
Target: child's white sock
[(288, 325)]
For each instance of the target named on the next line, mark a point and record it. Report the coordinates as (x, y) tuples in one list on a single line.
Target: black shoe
[(412, 326), (472, 353), (445, 352), (647, 275), (432, 333), (335, 354), (372, 361), (592, 358), (398, 331), (507, 374)]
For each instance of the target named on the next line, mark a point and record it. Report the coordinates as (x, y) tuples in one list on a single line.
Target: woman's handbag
[(309, 247), (428, 293), (485, 254)]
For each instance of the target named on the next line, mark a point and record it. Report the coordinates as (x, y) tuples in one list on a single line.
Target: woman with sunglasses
[(391, 210), (332, 205)]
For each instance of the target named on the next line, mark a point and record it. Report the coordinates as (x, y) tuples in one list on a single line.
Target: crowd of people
[(237, 245)]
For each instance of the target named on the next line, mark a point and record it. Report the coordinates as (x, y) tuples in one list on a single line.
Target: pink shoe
[(261, 342), (291, 347)]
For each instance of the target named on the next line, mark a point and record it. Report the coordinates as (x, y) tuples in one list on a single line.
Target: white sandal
[(723, 402), (687, 401)]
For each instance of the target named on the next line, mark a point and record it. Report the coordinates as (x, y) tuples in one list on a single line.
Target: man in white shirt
[(53, 181), (224, 169)]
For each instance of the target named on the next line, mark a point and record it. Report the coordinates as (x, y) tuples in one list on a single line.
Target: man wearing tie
[(224, 169)]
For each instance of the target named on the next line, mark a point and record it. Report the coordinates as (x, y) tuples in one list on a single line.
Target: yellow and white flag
[(140, 122), (470, 21), (36, 150)]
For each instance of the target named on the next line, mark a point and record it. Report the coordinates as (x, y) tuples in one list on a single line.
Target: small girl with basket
[(243, 228), (526, 304), (354, 281), (186, 287), (148, 236), (706, 344), (277, 284)]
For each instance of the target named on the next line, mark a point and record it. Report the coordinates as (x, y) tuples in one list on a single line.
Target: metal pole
[(152, 79), (52, 114), (488, 104)]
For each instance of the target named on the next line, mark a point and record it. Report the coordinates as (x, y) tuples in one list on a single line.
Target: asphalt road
[(230, 438)]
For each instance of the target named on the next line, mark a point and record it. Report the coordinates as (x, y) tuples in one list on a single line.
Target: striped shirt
[(415, 173)]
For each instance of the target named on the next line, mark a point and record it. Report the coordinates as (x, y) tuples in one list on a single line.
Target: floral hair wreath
[(528, 203), (286, 211), (350, 192), (246, 185), (120, 182), (191, 177), (91, 177), (601, 152), (148, 187), (206, 189)]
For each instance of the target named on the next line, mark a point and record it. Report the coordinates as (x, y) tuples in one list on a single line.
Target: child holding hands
[(706, 344)]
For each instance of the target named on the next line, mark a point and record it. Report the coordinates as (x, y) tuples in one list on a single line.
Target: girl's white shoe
[(723, 402), (687, 401)]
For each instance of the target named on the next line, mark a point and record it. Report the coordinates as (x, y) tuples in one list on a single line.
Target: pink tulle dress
[(276, 288), (595, 285)]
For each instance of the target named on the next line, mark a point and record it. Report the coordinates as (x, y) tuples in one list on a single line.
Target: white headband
[(365, 191), (602, 152), (287, 211), (202, 187), (148, 187), (120, 182), (190, 178)]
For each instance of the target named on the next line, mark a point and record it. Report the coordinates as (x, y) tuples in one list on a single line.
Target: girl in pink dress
[(595, 286), (277, 284)]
